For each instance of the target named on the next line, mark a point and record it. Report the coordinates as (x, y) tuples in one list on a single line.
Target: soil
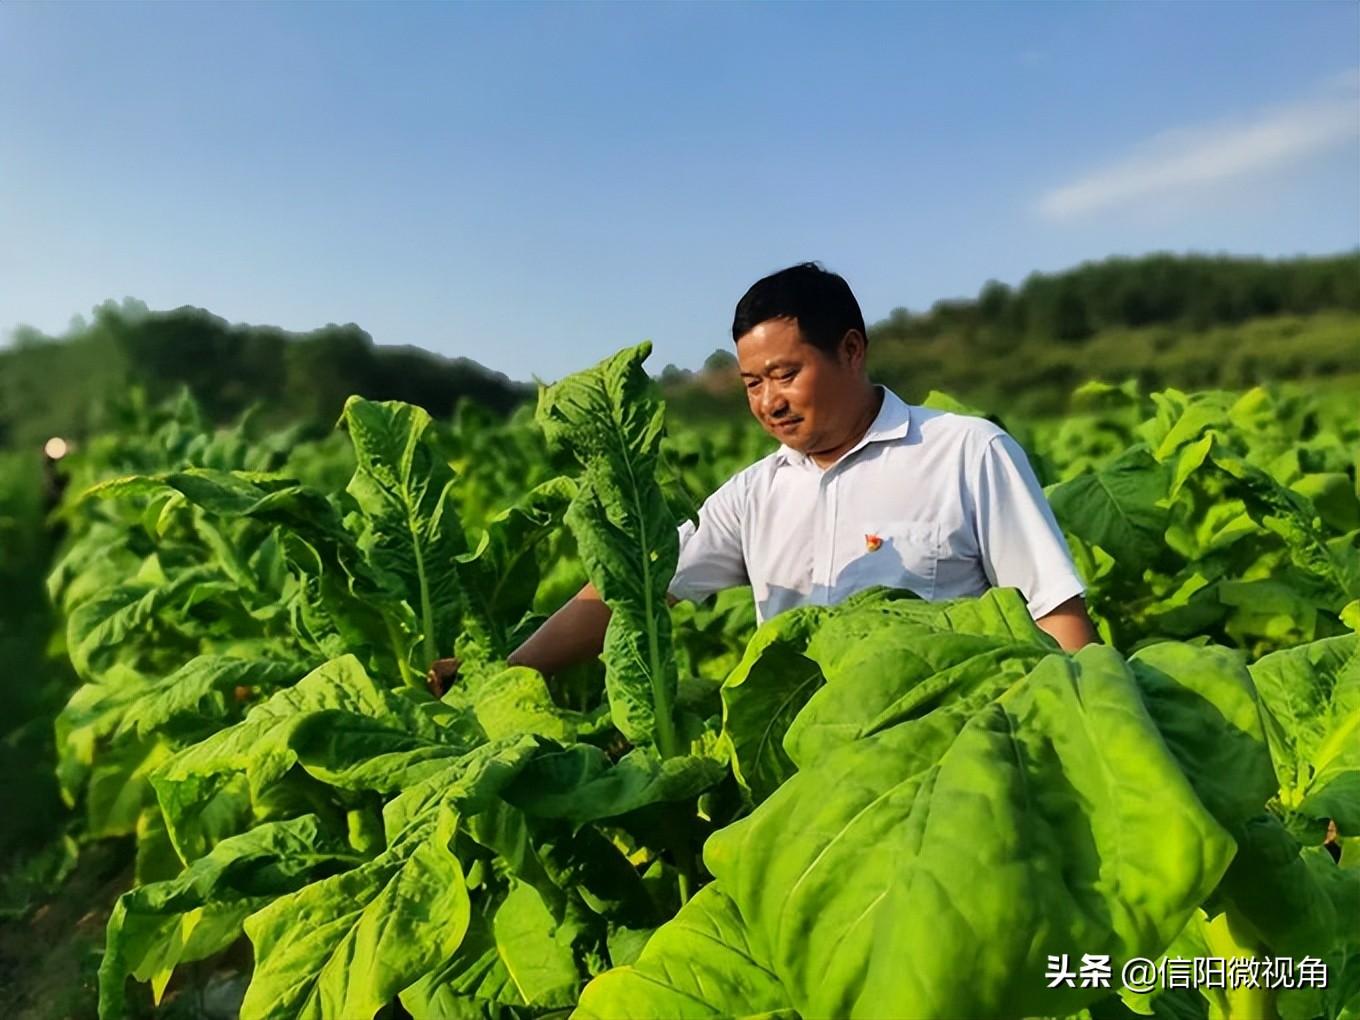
[(49, 958)]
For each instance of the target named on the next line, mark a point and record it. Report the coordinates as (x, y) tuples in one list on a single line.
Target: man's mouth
[(787, 425)]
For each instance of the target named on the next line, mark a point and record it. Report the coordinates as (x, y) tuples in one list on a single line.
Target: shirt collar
[(893, 422)]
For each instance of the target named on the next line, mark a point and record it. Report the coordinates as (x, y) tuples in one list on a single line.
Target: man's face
[(808, 400)]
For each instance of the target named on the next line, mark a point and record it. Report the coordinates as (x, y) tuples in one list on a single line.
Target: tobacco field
[(886, 808)]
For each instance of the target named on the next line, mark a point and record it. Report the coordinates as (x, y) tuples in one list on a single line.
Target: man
[(864, 490)]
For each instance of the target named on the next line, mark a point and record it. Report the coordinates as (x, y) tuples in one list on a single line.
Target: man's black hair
[(819, 301)]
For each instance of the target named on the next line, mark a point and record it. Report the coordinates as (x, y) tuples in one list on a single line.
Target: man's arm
[(572, 635), (1069, 625), (1022, 545)]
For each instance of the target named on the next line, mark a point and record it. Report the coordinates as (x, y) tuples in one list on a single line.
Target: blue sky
[(534, 186)]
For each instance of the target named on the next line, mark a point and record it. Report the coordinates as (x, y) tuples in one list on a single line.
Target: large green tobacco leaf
[(1341, 885), (529, 803), (827, 660), (100, 558), (937, 654), (1313, 696), (370, 932), (517, 700), (583, 862), (359, 752), (266, 497), (196, 692), (582, 877), (515, 960), (1055, 816), (1209, 716), (999, 612), (1201, 938), (579, 785), (1249, 500), (1273, 894), (204, 687), (378, 929), (702, 964), (1293, 518), (1085, 803), (252, 557), (156, 927), (156, 857), (472, 984), (119, 787), (537, 951), (345, 604), (207, 791), (1117, 507), (472, 782), (609, 419), (711, 637), (99, 627), (411, 532), (1333, 496), (1284, 900), (763, 694), (501, 576), (338, 613), (1182, 418), (184, 702)]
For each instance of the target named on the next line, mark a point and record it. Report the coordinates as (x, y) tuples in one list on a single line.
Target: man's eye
[(786, 376), (752, 383)]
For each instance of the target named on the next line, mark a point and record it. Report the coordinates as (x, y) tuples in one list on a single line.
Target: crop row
[(885, 808)]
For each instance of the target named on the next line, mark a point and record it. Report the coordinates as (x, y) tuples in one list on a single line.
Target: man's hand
[(441, 676), (1069, 625)]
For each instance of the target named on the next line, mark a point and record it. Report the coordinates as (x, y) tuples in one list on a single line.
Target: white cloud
[(1177, 161), (1347, 81)]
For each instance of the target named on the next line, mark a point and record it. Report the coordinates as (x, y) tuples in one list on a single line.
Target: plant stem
[(676, 833), (408, 676), (1243, 1003)]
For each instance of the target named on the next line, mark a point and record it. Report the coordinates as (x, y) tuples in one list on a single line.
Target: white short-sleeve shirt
[(943, 504)]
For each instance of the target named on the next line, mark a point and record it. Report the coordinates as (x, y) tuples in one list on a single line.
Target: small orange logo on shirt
[(872, 542)]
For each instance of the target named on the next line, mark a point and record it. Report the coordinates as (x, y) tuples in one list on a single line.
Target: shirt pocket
[(899, 554)]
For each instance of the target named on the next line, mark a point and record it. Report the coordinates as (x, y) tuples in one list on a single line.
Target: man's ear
[(854, 348)]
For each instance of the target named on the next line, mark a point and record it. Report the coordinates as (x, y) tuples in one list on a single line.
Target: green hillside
[(67, 386), (1191, 322)]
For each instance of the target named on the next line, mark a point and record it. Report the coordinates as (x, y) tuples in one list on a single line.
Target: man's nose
[(772, 404)]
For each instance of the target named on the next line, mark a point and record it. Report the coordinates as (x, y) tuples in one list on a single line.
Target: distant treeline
[(1192, 321), (1189, 321), (61, 387), (1195, 292)]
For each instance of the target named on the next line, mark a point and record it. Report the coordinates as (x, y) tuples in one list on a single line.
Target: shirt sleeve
[(1021, 544), (711, 556)]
